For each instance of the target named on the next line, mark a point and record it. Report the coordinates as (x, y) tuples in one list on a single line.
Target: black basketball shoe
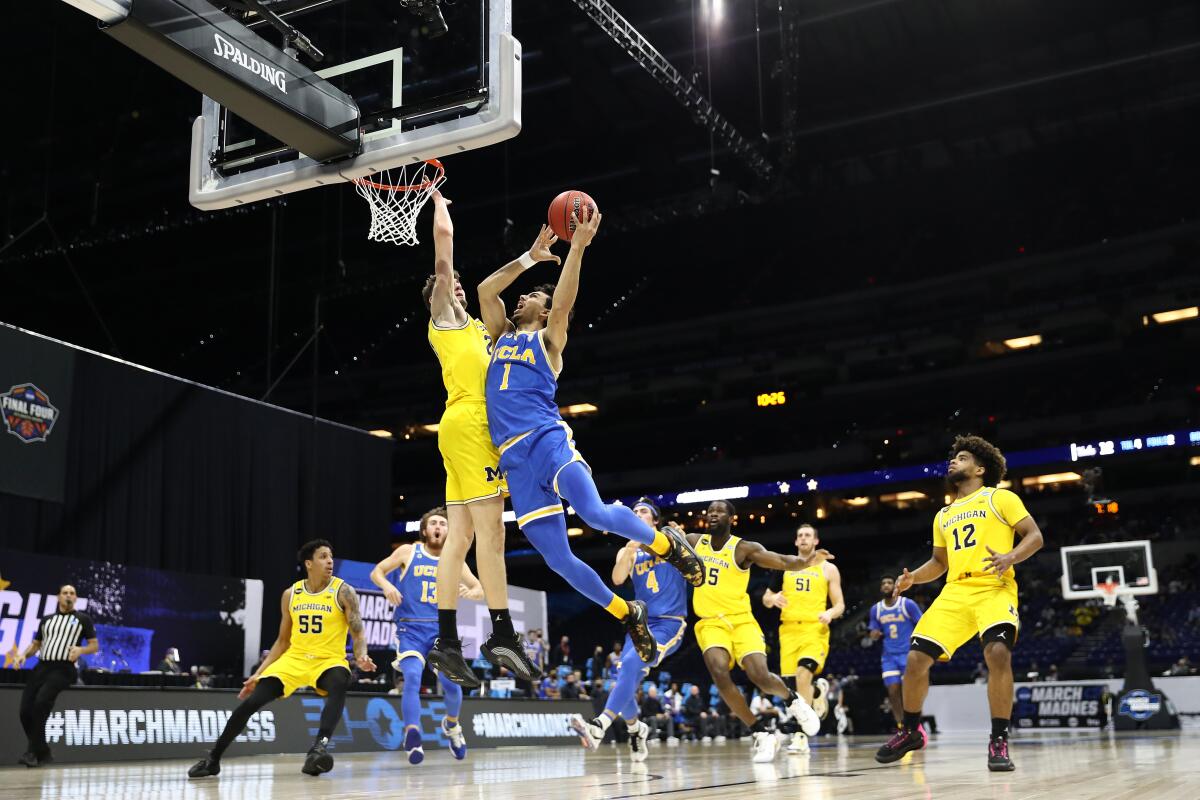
[(683, 557), (508, 652), (998, 760), (446, 658), (902, 741), (318, 759), (205, 767), (636, 625)]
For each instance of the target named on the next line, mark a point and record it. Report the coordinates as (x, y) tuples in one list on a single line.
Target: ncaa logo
[(1140, 705), (28, 413)]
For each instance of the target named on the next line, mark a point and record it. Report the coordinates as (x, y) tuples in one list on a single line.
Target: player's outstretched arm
[(358, 632), (398, 558), (567, 288), (624, 564), (755, 553), (491, 307), (931, 570), (444, 308)]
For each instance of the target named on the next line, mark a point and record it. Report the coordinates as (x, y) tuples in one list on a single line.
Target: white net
[(396, 197)]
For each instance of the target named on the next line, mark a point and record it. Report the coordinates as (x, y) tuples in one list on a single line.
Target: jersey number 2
[(968, 537), (310, 623)]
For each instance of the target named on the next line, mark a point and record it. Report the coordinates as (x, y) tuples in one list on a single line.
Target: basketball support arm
[(621, 31), (223, 59)]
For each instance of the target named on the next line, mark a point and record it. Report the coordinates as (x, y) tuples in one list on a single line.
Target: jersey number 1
[(504, 380)]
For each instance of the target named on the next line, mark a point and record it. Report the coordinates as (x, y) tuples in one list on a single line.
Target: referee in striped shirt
[(57, 642)]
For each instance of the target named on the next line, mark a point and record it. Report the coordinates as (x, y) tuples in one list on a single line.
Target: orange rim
[(425, 184)]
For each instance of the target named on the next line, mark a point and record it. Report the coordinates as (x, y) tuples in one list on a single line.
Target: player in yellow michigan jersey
[(474, 487), (973, 546), (310, 650), (727, 632), (804, 625)]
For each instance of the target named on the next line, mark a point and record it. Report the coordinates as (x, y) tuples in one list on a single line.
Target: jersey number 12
[(968, 537)]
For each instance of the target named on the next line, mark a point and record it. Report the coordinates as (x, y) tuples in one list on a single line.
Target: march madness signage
[(113, 724), (1060, 705)]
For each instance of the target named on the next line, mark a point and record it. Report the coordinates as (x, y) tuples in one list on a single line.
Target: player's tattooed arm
[(358, 632)]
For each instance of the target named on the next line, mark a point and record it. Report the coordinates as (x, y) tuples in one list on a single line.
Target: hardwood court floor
[(1050, 766)]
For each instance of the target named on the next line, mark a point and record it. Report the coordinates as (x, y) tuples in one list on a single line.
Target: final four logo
[(28, 413)]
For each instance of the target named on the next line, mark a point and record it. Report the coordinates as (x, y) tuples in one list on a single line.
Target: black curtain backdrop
[(172, 475)]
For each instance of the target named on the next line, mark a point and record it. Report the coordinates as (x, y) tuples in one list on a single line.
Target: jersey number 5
[(713, 574), (968, 537), (310, 623)]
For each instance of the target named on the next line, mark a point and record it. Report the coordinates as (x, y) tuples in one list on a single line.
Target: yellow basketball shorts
[(296, 670), (799, 640), (472, 461), (738, 635), (965, 610)]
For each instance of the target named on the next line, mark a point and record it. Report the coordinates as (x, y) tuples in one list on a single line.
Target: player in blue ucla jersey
[(664, 591), (893, 620), (537, 456), (414, 594)]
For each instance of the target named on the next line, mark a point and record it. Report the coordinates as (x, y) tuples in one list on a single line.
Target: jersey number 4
[(311, 623), (652, 582), (968, 537)]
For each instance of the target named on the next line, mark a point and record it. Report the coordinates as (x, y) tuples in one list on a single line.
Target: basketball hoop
[(1109, 588), (397, 197)]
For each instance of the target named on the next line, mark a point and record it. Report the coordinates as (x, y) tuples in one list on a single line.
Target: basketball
[(561, 208)]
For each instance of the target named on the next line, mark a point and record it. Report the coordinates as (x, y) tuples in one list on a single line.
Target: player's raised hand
[(540, 249), (585, 230), (1000, 562), (248, 686), (903, 583), (365, 663), (776, 600), (393, 595), (440, 199)]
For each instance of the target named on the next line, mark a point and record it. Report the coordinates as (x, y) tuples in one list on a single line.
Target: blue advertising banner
[(139, 613)]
